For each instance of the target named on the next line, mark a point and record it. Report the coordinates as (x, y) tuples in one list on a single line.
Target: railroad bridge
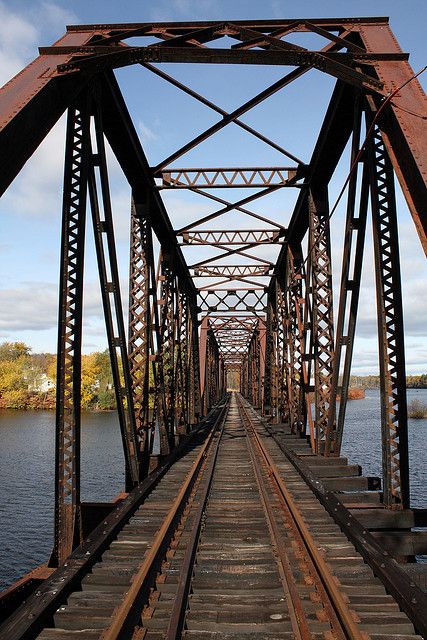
[(239, 518)]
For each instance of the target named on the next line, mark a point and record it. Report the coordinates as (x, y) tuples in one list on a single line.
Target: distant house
[(42, 384)]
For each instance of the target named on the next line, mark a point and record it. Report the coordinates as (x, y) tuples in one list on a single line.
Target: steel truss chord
[(394, 415), (227, 237), (68, 387)]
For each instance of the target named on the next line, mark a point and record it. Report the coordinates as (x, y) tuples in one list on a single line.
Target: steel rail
[(344, 614), (296, 611), (176, 620), (123, 611), (29, 619)]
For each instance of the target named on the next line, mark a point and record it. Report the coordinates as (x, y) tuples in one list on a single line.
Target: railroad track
[(231, 544)]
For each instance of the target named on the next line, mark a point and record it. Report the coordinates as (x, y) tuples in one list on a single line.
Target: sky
[(165, 119)]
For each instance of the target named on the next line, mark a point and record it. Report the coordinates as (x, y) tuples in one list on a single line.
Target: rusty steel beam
[(322, 314), (68, 386), (231, 237), (105, 245), (241, 270), (401, 123), (35, 95), (236, 177), (394, 414), (335, 64)]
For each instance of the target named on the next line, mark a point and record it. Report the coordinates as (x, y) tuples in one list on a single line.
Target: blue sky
[(30, 209)]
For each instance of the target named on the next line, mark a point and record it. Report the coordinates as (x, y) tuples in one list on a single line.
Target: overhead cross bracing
[(219, 281)]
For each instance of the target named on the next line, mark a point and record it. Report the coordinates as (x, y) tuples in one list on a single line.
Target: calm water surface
[(27, 471)]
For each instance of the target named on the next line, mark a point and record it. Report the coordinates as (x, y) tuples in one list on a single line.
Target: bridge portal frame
[(76, 73)]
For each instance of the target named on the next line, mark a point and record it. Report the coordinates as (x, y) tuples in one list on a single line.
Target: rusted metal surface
[(40, 606), (394, 414), (248, 177), (393, 575), (230, 311), (67, 446)]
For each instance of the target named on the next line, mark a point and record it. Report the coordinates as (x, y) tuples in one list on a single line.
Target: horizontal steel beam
[(235, 177), (332, 63), (231, 236), (254, 271)]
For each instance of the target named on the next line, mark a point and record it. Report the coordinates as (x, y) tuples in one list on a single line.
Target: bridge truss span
[(231, 273)]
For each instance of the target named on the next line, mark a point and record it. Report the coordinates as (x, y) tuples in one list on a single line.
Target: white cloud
[(54, 16), (20, 34), (32, 306), (18, 38), (37, 191), (146, 133)]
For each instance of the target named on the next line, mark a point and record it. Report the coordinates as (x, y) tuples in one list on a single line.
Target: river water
[(27, 471)]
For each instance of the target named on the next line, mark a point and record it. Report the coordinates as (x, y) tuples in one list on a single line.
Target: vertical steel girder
[(211, 367), (297, 381), (67, 456), (354, 241), (142, 301), (322, 314), (282, 353), (167, 354), (268, 367), (163, 345), (194, 398), (394, 421), (111, 299)]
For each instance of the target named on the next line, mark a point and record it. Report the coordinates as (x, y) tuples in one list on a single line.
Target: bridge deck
[(233, 543)]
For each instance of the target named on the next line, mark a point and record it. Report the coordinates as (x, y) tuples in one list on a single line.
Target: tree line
[(27, 380), (373, 382)]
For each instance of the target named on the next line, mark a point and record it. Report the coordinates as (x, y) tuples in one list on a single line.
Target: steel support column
[(142, 301), (68, 401), (354, 241), (297, 380), (322, 314), (111, 300), (394, 418)]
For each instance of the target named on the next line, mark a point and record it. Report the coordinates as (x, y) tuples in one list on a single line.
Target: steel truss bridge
[(195, 326)]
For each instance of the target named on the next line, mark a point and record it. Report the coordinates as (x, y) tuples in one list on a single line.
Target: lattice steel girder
[(141, 300), (322, 320), (232, 299), (45, 95), (121, 134), (241, 270), (237, 177), (394, 419), (231, 237), (68, 402)]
